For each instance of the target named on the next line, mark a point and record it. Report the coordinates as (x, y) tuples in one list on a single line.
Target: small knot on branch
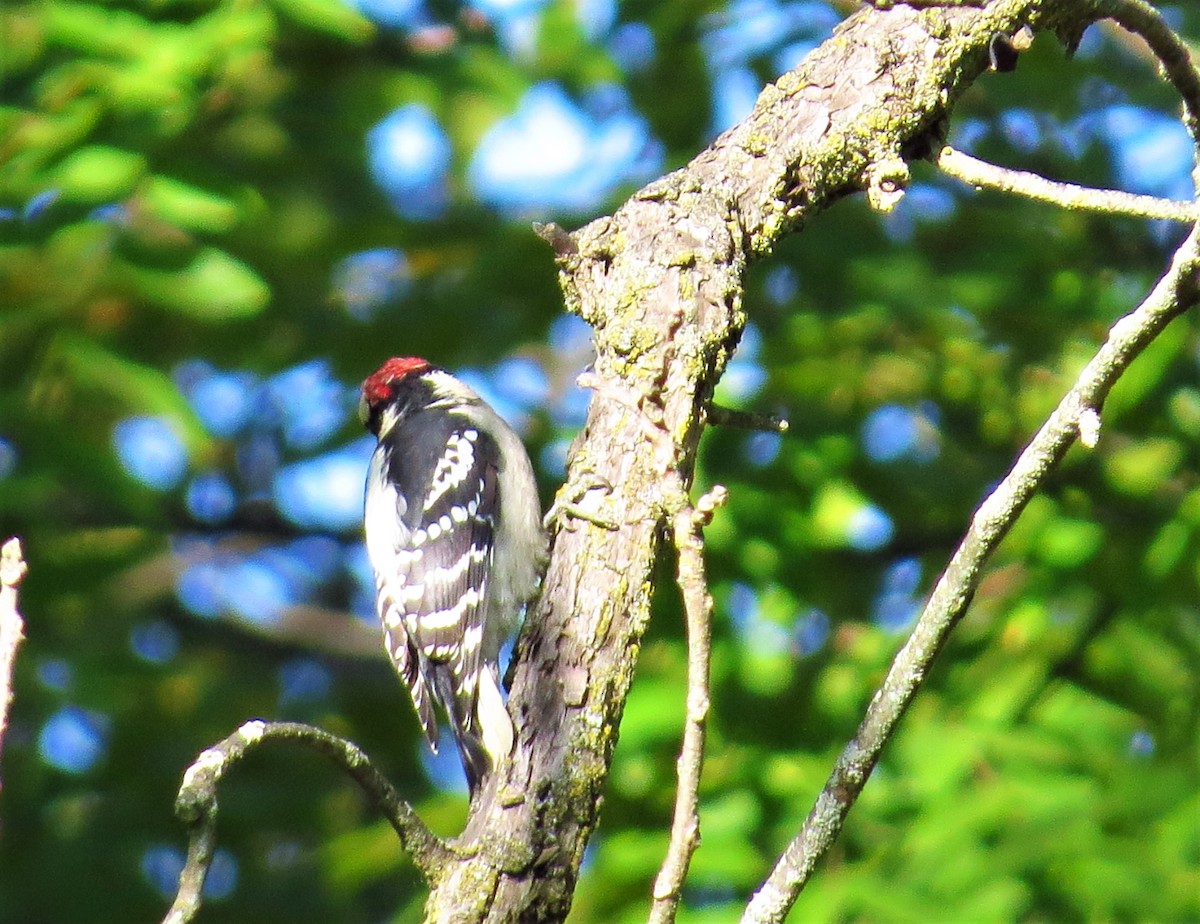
[(1004, 50), (887, 180), (561, 241), (12, 563), (1089, 427), (708, 503)]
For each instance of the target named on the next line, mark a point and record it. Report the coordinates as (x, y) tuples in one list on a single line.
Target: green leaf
[(21, 39), (213, 287), (1140, 469), (833, 511), (631, 855), (94, 30), (357, 857), (1167, 549), (1184, 408), (727, 854), (189, 207), (1067, 543), (1007, 693), (98, 173), (653, 712), (142, 389), (329, 16)]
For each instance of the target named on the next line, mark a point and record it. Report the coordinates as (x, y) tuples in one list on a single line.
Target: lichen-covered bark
[(660, 281)]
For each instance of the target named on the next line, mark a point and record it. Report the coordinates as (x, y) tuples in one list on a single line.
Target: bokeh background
[(217, 216)]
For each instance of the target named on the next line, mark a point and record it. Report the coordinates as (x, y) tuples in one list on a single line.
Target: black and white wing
[(432, 563)]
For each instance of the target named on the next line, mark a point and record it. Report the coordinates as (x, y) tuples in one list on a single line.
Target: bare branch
[(1078, 415), (698, 605), (980, 173), (720, 416), (201, 845), (1142, 19), (12, 628), (1174, 293), (196, 804)]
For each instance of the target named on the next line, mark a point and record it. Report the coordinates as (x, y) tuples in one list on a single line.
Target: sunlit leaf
[(215, 286), (99, 173), (1141, 468), (1068, 543), (187, 206), (332, 17)]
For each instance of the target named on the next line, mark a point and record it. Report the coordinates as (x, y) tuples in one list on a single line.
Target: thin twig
[(196, 804), (1142, 19), (980, 173), (1076, 415), (698, 605), (688, 524), (12, 628), (721, 416), (202, 843), (1174, 293)]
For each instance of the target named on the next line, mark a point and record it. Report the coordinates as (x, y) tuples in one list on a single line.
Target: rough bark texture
[(661, 281)]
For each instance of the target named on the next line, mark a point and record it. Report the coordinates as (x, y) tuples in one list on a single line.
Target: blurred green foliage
[(1049, 771)]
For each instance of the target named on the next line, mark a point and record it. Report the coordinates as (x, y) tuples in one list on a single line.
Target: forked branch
[(1175, 293), (1077, 416), (196, 803)]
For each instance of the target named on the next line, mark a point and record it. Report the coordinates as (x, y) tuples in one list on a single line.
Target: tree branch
[(980, 173), (1078, 415), (1175, 292), (196, 804), (12, 628), (689, 523), (661, 283), (1142, 19), (720, 416)]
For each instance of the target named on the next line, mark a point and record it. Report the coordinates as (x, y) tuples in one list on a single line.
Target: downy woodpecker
[(454, 534)]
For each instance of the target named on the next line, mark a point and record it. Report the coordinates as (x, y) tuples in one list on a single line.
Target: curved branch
[(1175, 292), (698, 605), (980, 173), (196, 803), (1077, 415), (1142, 19)]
